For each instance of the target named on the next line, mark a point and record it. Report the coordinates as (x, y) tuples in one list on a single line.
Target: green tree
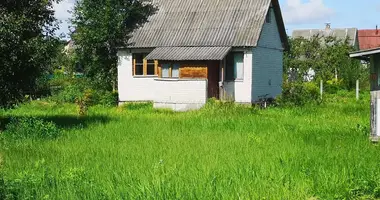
[(26, 42), (327, 57), (100, 28)]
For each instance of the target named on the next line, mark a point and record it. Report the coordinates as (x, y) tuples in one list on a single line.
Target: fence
[(357, 91)]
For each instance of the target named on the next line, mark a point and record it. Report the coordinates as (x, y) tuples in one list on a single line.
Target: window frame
[(231, 73), (144, 64), (171, 68)]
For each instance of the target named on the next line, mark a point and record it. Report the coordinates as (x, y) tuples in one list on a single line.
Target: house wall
[(267, 62), (240, 90), (132, 88), (176, 94), (180, 95)]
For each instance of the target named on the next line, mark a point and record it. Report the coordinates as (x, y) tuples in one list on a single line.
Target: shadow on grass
[(62, 121)]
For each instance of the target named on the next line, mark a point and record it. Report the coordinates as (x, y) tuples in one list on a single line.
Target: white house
[(190, 51)]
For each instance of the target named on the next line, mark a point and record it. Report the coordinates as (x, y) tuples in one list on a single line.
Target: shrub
[(80, 91), (73, 90), (333, 86), (299, 94), (32, 128), (105, 98)]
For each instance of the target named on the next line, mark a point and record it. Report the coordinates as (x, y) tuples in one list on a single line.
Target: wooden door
[(213, 79)]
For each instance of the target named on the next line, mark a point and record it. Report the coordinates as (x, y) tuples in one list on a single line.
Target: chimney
[(377, 30)]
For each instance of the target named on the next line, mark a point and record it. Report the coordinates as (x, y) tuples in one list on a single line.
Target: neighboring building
[(373, 56), (190, 51), (369, 39), (340, 33)]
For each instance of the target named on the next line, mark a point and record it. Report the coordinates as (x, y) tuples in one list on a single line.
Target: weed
[(31, 127), (223, 151)]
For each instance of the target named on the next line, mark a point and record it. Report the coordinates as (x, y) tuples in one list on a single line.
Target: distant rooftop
[(369, 39), (339, 33)]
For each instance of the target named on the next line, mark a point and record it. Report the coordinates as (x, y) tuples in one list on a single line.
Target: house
[(340, 33), (373, 56), (190, 51), (369, 39)]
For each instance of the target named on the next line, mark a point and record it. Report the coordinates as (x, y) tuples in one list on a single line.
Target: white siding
[(180, 95), (268, 62), (240, 90), (131, 88)]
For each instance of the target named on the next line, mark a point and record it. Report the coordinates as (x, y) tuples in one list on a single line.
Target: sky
[(297, 14)]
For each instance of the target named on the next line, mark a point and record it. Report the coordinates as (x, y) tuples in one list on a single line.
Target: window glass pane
[(139, 70), (150, 67), (229, 67), (139, 57), (165, 71), (239, 66), (139, 67), (175, 71)]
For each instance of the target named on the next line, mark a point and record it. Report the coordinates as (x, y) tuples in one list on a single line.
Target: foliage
[(310, 152), (327, 57), (299, 94), (27, 45), (100, 28), (82, 92), (32, 128)]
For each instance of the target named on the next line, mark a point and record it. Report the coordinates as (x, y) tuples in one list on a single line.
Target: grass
[(220, 152)]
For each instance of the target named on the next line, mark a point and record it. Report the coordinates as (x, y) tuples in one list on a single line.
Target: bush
[(32, 128), (71, 91), (79, 89), (299, 94), (333, 86), (105, 98)]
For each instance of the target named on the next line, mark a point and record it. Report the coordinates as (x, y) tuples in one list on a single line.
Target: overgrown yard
[(220, 152)]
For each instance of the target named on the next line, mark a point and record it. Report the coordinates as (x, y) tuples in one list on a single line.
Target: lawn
[(220, 152)]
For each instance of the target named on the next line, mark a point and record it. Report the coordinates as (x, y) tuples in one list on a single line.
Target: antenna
[(328, 25)]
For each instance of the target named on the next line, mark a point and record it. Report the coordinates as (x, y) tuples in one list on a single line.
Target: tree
[(100, 28), (26, 42), (327, 57)]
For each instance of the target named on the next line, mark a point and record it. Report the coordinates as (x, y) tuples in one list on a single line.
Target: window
[(138, 62), (235, 66), (165, 71), (175, 71), (150, 69), (143, 67), (268, 18), (170, 71)]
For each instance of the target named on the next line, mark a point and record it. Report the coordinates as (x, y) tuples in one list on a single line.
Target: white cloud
[(311, 11), (63, 15)]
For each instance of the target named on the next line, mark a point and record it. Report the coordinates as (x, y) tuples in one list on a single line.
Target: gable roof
[(369, 39), (339, 33), (192, 23)]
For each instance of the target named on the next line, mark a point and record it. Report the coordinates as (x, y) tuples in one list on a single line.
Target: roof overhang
[(188, 53), (280, 24), (364, 54)]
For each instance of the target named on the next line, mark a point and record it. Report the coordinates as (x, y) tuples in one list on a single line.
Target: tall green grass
[(220, 152)]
